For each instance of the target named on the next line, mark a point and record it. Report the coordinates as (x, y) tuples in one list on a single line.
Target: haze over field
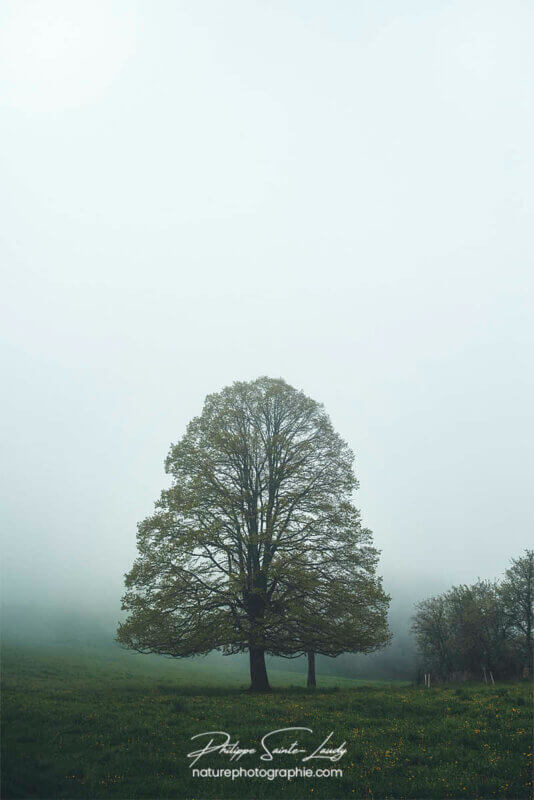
[(197, 193)]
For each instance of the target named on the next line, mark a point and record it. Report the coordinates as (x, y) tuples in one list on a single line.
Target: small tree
[(478, 628), (260, 498), (517, 596), (431, 626), (346, 609), (351, 622)]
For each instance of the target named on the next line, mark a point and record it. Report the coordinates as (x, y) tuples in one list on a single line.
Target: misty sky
[(197, 192)]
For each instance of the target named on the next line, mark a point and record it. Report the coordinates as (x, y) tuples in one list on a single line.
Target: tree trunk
[(311, 668), (259, 682)]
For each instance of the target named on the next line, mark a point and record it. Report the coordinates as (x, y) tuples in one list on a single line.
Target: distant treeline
[(482, 631)]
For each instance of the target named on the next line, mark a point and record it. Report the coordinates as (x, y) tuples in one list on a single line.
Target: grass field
[(98, 724)]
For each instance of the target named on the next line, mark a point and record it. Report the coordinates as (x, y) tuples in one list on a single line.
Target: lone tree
[(260, 498)]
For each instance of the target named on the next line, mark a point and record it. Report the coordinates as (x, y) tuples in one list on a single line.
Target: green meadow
[(89, 723)]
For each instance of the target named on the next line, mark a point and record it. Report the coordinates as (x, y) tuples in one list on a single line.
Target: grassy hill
[(89, 723)]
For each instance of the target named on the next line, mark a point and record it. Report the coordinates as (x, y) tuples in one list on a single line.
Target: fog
[(196, 193)]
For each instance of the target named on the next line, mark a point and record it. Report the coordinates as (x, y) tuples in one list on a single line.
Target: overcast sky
[(197, 192)]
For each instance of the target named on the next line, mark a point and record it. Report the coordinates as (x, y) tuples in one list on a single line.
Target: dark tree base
[(259, 682), (311, 670)]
